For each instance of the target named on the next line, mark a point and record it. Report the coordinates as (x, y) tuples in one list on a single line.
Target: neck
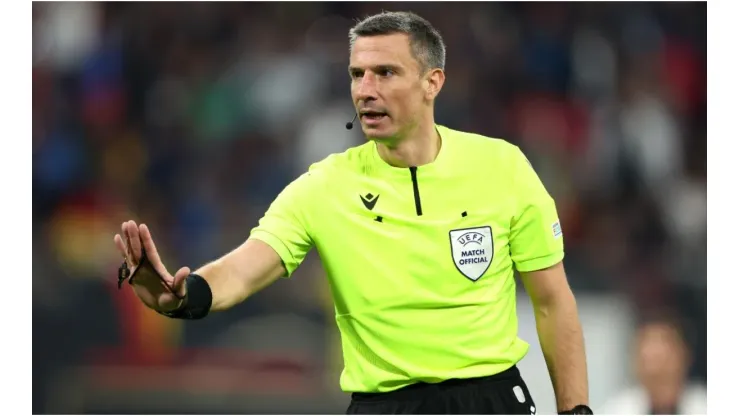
[(416, 148), (665, 398)]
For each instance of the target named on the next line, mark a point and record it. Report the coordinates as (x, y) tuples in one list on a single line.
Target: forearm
[(561, 340), (227, 288), (241, 273)]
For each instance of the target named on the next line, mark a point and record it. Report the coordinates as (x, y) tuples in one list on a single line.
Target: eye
[(356, 74), (386, 72)]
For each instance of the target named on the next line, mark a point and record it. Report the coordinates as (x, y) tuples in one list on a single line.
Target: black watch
[(581, 409)]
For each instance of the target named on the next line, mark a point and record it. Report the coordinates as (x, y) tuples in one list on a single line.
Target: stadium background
[(191, 117)]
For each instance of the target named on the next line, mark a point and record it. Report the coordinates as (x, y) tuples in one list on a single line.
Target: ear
[(434, 80)]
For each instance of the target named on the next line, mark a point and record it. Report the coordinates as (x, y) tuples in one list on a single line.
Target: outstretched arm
[(230, 279), (275, 248)]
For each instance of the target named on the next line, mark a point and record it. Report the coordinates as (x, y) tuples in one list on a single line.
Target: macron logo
[(369, 200)]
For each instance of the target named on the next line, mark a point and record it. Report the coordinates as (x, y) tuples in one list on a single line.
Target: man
[(661, 362), (419, 231)]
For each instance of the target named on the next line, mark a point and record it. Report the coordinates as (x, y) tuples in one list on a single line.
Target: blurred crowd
[(191, 117)]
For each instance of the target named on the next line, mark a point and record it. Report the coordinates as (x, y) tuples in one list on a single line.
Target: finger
[(118, 240), (129, 251), (179, 284), (151, 250), (134, 240), (124, 238)]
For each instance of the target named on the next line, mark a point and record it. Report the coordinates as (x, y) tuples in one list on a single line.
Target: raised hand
[(153, 284)]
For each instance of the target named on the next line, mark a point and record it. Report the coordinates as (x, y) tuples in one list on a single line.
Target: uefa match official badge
[(472, 251)]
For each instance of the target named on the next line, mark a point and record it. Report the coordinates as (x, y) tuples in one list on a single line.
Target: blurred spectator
[(662, 358)]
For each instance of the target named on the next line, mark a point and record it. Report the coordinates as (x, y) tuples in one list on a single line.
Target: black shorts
[(503, 393)]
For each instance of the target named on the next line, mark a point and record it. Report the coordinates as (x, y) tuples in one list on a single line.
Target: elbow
[(556, 301)]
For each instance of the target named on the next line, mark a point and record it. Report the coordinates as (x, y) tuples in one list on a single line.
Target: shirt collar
[(437, 166)]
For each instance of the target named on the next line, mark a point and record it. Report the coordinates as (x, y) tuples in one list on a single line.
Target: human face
[(661, 358), (388, 88)]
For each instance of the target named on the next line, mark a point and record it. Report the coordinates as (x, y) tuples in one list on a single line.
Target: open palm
[(153, 284)]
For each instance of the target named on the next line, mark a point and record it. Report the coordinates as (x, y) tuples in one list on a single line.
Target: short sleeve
[(284, 226), (536, 239)]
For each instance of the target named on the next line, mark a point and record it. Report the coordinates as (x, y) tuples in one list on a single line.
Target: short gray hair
[(426, 41)]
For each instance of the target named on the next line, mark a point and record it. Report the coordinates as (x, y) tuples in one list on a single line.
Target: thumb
[(178, 285)]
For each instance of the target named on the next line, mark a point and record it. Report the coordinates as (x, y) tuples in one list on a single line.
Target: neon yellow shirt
[(420, 261)]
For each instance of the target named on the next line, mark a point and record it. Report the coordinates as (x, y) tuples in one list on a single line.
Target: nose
[(366, 89)]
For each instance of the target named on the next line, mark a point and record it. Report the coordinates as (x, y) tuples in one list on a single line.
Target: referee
[(420, 230)]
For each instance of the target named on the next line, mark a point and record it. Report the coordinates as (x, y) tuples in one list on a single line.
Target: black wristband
[(581, 409), (198, 299)]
